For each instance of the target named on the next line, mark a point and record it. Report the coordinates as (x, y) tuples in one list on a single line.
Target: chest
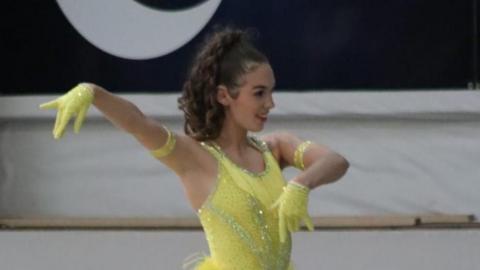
[(200, 185)]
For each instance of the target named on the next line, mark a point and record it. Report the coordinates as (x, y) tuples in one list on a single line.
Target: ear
[(223, 97)]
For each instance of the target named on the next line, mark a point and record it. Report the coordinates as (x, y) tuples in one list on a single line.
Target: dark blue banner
[(321, 45)]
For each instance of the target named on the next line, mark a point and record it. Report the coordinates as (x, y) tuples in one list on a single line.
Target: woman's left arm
[(320, 165)]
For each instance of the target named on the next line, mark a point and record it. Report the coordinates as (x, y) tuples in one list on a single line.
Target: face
[(251, 107)]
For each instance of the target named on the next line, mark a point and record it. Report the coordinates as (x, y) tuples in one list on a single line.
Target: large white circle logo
[(131, 30)]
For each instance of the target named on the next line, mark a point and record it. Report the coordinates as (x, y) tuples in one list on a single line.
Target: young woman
[(232, 180)]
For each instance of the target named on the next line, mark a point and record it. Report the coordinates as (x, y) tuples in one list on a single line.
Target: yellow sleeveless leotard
[(241, 230)]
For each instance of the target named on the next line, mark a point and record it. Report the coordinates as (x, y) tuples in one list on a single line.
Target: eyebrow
[(261, 86)]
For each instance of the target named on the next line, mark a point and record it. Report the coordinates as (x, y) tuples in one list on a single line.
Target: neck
[(232, 138)]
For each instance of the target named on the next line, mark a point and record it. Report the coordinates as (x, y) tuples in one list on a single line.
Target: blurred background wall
[(391, 85)]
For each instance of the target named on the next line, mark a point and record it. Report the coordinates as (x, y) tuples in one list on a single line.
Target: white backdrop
[(410, 153)]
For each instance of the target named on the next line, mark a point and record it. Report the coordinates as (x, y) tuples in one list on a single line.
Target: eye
[(259, 93)]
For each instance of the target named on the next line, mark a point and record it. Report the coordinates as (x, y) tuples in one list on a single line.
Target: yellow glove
[(292, 209), (74, 103)]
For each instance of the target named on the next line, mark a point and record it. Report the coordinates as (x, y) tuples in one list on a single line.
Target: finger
[(65, 118), (291, 224), (79, 120), (309, 223), (62, 132), (282, 228), (276, 203), (58, 120), (295, 225), (49, 105)]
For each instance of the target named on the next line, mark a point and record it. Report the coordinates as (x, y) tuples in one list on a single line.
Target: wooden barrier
[(327, 222)]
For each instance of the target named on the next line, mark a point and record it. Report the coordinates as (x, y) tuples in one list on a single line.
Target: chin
[(256, 128)]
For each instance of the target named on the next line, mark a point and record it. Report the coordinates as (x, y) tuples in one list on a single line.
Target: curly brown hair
[(223, 58)]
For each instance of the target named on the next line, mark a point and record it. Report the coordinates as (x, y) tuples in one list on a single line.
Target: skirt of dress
[(205, 262), (199, 261)]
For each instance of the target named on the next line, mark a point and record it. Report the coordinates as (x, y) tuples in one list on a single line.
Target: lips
[(263, 118)]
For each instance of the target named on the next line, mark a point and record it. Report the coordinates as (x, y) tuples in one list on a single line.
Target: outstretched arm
[(128, 117), (122, 113), (178, 152)]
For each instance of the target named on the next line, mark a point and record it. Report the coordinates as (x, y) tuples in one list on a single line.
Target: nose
[(270, 103)]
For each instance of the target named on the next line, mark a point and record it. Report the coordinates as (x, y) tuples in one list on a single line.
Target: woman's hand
[(74, 103), (292, 209)]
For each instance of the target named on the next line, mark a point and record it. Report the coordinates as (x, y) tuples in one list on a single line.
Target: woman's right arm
[(148, 131), (121, 112), (126, 116)]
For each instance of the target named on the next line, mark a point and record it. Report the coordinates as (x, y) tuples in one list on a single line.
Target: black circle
[(170, 5)]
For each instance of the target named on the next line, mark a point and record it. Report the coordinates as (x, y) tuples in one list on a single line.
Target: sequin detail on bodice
[(241, 230)]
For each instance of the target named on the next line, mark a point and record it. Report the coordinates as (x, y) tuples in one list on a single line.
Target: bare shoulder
[(272, 140), (189, 157)]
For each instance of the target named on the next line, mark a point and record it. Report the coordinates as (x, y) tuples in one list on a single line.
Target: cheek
[(243, 114), (246, 109)]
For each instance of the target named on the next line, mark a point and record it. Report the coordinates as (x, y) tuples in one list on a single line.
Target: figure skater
[(232, 180)]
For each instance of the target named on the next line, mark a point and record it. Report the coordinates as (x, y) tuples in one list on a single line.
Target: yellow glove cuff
[(86, 89), (299, 187)]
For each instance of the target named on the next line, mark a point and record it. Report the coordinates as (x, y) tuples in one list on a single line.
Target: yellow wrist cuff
[(167, 148), (87, 88), (299, 186), (298, 156)]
